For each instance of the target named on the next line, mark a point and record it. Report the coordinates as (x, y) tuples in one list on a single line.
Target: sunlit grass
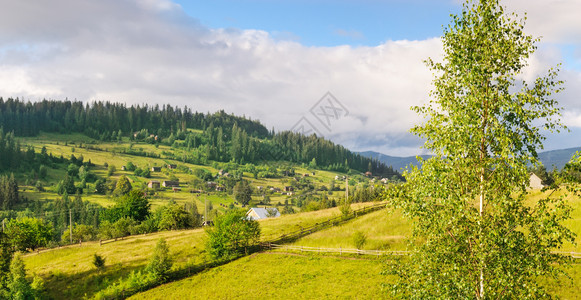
[(275, 276)]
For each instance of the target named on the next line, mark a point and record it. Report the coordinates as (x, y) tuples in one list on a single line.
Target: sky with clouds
[(270, 60)]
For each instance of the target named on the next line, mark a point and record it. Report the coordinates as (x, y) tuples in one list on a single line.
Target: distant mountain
[(550, 159), (398, 163), (557, 158)]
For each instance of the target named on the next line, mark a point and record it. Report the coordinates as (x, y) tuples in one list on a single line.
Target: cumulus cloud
[(152, 52)]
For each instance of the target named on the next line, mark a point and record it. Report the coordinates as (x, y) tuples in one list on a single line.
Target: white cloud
[(555, 21), (150, 51)]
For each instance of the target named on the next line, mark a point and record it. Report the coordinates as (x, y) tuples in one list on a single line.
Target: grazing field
[(69, 272), (278, 276), (384, 230)]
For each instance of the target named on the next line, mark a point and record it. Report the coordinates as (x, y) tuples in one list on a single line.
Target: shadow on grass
[(87, 283)]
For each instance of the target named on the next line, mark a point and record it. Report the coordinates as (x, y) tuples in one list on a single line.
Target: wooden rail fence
[(271, 246), (292, 236)]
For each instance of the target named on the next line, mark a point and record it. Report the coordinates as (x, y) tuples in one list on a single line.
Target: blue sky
[(329, 23), (269, 60)]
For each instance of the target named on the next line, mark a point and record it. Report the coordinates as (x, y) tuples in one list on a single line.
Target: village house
[(171, 183), (211, 184), (535, 182), (155, 169), (259, 213), (154, 184), (171, 166), (288, 189), (220, 188), (123, 168)]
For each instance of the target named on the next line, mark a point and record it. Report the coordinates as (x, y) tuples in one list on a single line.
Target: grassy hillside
[(275, 276), (69, 272), (111, 153), (384, 230), (282, 274)]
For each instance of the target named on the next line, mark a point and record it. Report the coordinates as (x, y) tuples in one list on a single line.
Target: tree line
[(225, 137)]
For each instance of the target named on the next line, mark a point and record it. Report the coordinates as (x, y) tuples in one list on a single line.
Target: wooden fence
[(292, 236), (341, 251)]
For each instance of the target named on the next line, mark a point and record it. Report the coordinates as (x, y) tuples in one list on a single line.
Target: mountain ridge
[(550, 159)]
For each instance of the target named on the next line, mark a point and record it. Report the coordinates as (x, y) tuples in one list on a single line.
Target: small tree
[(110, 170), (123, 186), (160, 262), (243, 192), (6, 253), (98, 261), (18, 285), (232, 234), (359, 239), (28, 233), (174, 217)]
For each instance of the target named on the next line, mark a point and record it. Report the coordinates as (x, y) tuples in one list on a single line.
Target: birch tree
[(475, 235)]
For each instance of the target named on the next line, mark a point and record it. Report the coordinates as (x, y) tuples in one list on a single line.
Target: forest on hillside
[(219, 137)]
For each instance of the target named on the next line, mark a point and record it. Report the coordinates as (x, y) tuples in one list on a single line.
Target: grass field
[(276, 276), (69, 273), (385, 230), (295, 276)]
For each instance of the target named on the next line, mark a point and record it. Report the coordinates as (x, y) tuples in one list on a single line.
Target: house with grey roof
[(259, 213)]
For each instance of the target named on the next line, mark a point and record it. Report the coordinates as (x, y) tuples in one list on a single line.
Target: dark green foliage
[(133, 205), (160, 262), (130, 167), (98, 261), (18, 286), (6, 253), (67, 185), (203, 174), (123, 186), (174, 217), (243, 192), (100, 187), (8, 192), (28, 233), (232, 234), (81, 233)]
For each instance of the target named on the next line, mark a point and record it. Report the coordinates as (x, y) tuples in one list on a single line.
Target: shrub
[(160, 262), (232, 234), (98, 261), (359, 239)]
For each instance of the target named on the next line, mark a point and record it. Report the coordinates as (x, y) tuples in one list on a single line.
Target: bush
[(98, 261), (160, 262), (359, 239), (232, 234)]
